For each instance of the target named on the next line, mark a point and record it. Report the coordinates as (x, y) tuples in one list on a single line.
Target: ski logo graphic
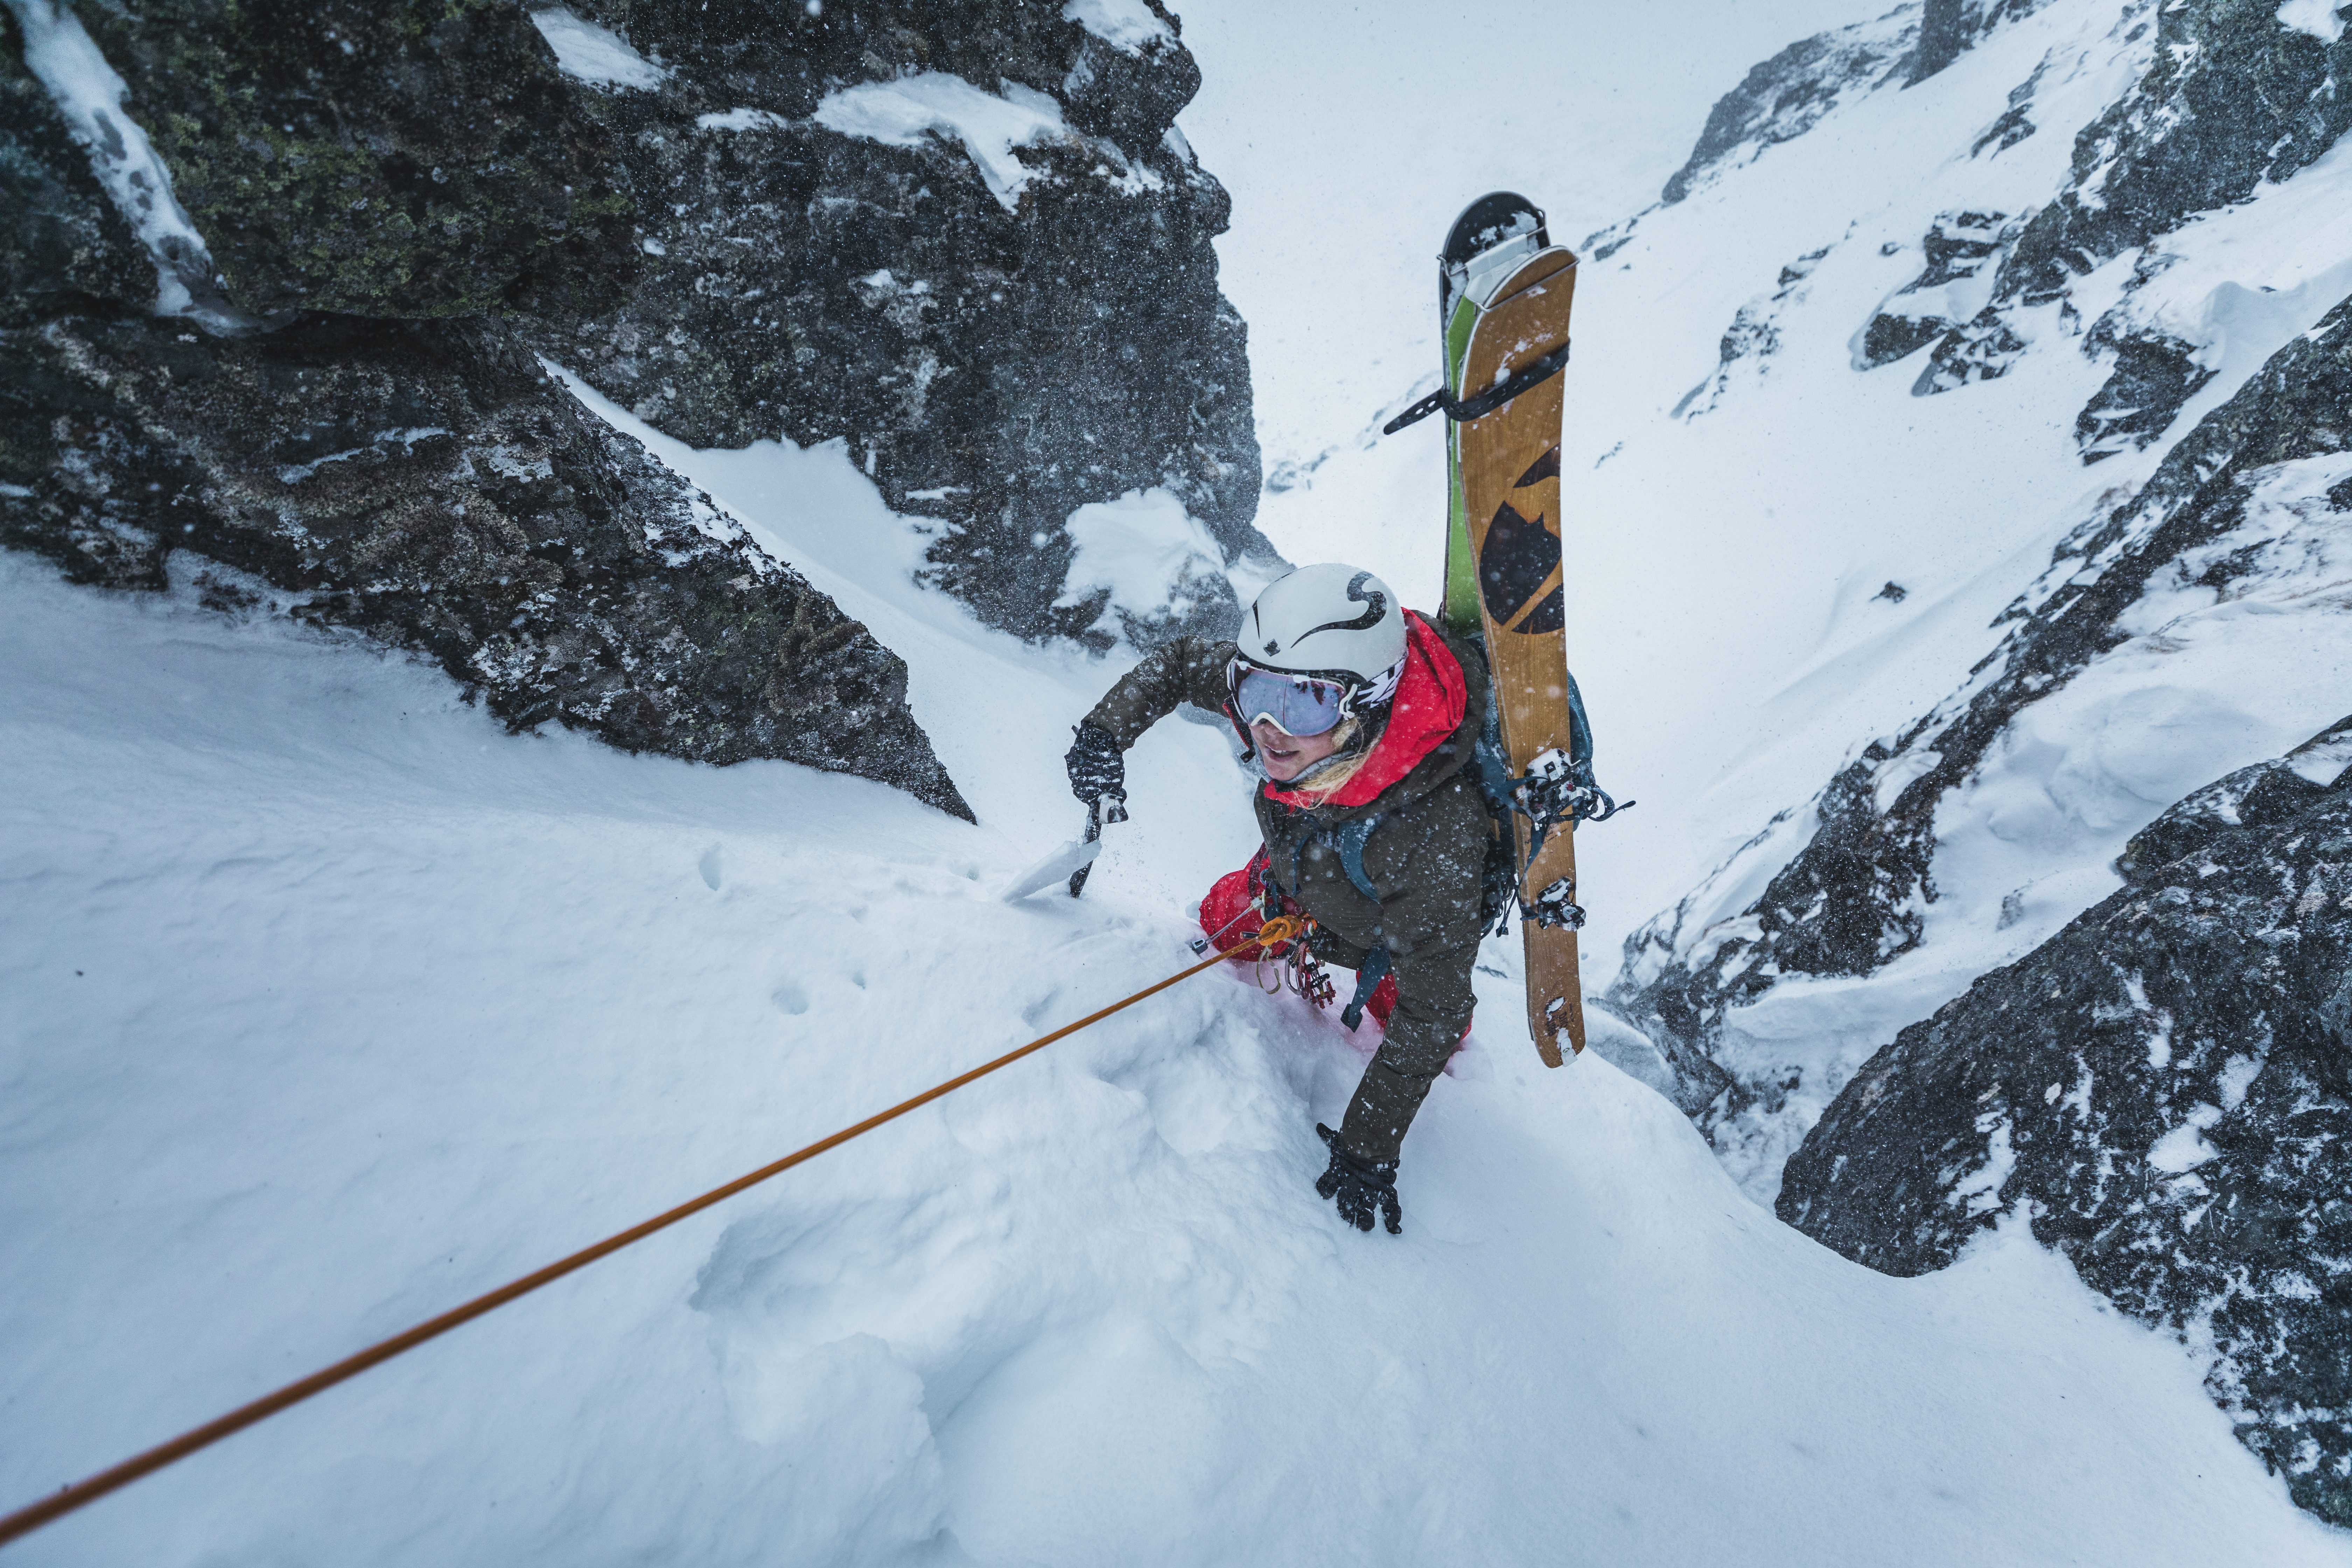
[(1546, 467), (1517, 560), (1377, 603)]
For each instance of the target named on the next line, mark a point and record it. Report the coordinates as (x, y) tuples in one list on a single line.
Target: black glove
[(1097, 769), (1361, 1186)]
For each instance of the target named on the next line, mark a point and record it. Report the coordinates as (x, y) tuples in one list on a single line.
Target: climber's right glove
[(1096, 768), (1359, 1185)]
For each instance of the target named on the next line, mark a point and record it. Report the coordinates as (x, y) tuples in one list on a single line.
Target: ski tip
[(1493, 218)]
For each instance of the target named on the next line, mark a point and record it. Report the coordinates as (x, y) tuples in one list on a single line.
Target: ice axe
[(1074, 859), (1097, 814)]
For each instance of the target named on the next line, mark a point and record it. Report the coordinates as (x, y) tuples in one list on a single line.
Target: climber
[(1358, 716)]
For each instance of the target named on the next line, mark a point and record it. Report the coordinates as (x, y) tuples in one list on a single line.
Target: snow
[(2184, 1148), (332, 1003), (2029, 842), (1155, 559), (594, 54), (1898, 773), (741, 120), (1126, 26), (2320, 18), (900, 113), (89, 95), (2324, 763), (379, 1005)]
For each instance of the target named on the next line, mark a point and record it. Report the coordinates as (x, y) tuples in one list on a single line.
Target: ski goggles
[(1294, 704)]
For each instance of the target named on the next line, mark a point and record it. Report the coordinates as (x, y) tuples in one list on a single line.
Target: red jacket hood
[(1424, 715)]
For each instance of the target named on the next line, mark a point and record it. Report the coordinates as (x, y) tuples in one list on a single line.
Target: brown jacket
[(1425, 859)]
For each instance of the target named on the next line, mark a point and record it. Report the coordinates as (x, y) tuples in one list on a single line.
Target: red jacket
[(1424, 713)]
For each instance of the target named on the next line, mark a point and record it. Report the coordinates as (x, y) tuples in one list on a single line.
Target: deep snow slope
[(332, 1003), (1786, 557)]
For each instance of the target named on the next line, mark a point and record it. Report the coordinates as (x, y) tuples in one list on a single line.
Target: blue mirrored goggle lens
[(1297, 704)]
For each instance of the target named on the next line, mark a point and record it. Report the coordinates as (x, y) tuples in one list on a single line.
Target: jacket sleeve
[(1189, 670), (1432, 927)]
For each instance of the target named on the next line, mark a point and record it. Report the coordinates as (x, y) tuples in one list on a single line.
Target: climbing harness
[(1347, 840), (57, 1504), (1296, 970)]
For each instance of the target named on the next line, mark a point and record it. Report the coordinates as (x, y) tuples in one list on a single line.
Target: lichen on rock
[(404, 160)]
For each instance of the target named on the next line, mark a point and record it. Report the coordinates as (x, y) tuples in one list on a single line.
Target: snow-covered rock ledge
[(2165, 640), (971, 246), (970, 243), (314, 375), (2159, 1091)]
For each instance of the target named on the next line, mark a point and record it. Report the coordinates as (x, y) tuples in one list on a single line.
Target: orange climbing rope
[(68, 1499)]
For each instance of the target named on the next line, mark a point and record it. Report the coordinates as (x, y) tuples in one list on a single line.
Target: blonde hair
[(1339, 769)]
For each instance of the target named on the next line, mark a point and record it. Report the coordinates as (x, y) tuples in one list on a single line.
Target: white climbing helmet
[(1326, 625)]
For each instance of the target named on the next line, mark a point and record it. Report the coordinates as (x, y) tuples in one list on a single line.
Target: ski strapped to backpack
[(1558, 789), (1486, 403)]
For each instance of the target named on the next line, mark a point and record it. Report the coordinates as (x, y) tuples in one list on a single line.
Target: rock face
[(2233, 96), (426, 483), (2164, 1092), (966, 238), (1948, 27), (1848, 879), (403, 161), (1786, 96), (341, 412), (963, 238), (2219, 513)]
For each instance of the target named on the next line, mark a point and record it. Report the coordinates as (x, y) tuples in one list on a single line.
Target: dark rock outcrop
[(2232, 97), (1753, 337), (1000, 340), (995, 358), (1957, 248), (345, 414), (406, 160), (403, 202), (2164, 1092), (1949, 28), (2155, 373), (427, 482), (1851, 899), (1782, 98)]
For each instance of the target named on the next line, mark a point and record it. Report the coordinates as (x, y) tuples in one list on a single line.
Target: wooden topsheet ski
[(1504, 556)]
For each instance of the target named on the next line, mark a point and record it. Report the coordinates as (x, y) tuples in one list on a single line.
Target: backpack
[(1559, 789)]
